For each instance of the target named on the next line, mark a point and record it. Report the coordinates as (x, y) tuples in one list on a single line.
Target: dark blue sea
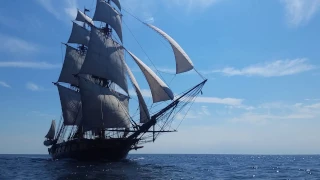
[(164, 167)]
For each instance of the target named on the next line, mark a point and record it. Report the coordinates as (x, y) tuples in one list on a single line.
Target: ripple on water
[(163, 167)]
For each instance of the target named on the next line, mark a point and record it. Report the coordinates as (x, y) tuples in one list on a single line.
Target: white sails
[(105, 59), (71, 106), (183, 62), (84, 18), (52, 130), (144, 112), (79, 35), (72, 63), (102, 108), (93, 105), (105, 13), (159, 90)]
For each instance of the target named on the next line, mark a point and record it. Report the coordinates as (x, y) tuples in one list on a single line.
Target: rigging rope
[(143, 51)]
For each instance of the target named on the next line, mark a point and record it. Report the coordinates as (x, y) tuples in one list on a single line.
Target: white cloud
[(300, 11), (311, 99), (140, 8), (16, 45), (48, 6), (276, 111), (60, 8), (200, 99), (34, 87), (226, 139), (270, 69), (194, 4), (71, 8), (216, 100), (34, 65), (4, 84), (149, 20)]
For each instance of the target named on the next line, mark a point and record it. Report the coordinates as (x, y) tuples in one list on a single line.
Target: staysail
[(144, 112), (105, 13), (105, 59), (183, 62), (101, 107), (159, 90), (72, 64), (71, 106), (52, 130)]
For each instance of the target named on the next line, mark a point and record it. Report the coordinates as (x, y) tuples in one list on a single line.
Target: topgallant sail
[(96, 123)]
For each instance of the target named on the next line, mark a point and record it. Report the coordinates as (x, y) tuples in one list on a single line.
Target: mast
[(91, 105)]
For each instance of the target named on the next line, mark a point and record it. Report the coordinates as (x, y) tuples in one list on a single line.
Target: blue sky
[(261, 59)]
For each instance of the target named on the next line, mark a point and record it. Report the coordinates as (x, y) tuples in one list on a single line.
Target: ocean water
[(164, 167)]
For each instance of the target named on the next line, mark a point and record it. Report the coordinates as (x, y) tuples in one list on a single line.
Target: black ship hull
[(93, 149)]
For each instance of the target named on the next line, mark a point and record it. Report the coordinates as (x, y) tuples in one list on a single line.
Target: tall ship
[(93, 88)]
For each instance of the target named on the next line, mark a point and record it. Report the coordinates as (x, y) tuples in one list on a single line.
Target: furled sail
[(183, 62), (144, 112), (72, 63), (159, 90), (102, 107), (105, 59), (79, 35), (105, 13), (52, 130), (71, 106), (117, 3), (84, 18)]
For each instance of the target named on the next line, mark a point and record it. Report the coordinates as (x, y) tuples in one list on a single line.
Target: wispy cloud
[(276, 111), (16, 45), (145, 10), (33, 65), (60, 8), (194, 4), (48, 6), (270, 69), (299, 12), (4, 84), (211, 100), (34, 87), (71, 8), (216, 100)]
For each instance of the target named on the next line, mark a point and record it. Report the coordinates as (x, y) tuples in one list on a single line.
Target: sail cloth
[(84, 18), (159, 90), (71, 106), (144, 113), (102, 108), (52, 130), (117, 3), (183, 62), (79, 35), (105, 59), (72, 63), (105, 13)]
